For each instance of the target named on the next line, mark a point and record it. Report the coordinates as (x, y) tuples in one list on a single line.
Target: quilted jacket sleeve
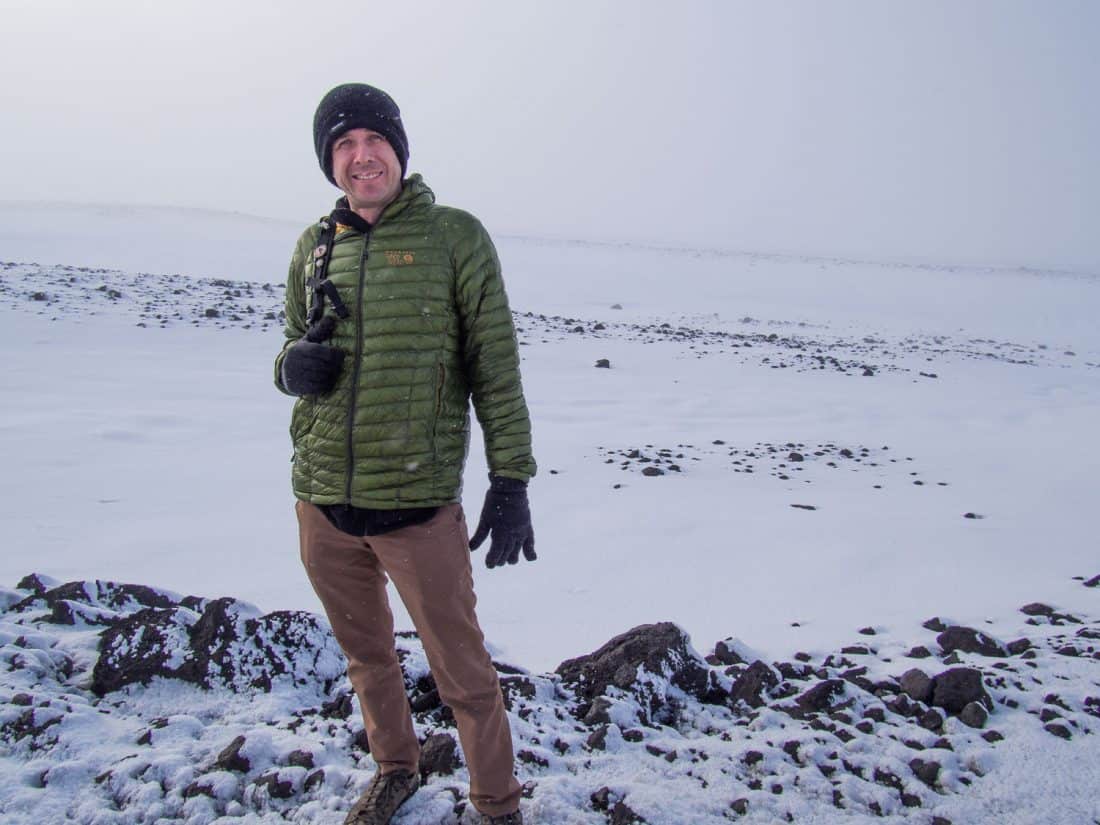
[(490, 350), (294, 304)]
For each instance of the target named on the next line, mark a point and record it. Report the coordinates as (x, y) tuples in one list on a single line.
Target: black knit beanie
[(357, 106)]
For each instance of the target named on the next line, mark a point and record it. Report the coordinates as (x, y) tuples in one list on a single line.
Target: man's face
[(367, 169)]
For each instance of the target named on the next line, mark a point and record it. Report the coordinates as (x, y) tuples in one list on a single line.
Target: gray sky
[(944, 130)]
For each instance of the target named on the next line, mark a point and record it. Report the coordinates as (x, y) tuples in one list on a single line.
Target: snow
[(158, 454)]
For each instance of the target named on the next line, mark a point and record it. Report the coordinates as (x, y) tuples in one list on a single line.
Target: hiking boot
[(504, 819), (383, 796)]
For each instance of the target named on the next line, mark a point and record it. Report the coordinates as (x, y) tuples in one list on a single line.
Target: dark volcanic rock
[(973, 715), (969, 640), (94, 602), (220, 646), (954, 689), (726, 655), (1037, 609), (1061, 731), (821, 696), (917, 685), (138, 648), (231, 758), (663, 650), (438, 754), (34, 583), (751, 685)]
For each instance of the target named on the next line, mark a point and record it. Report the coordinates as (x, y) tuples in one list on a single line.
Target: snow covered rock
[(645, 662)]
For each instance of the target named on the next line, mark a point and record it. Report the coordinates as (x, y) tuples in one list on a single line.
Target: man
[(396, 317)]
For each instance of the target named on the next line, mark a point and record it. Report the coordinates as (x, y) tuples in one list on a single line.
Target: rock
[(1056, 729), (598, 712), (601, 799), (954, 689), (796, 457), (663, 650), (231, 758), (973, 715), (597, 740), (821, 696), (223, 646), (927, 772), (1037, 609), (970, 640), (337, 708), (1093, 582), (603, 363), (276, 787), (653, 471), (972, 516), (992, 736), (314, 780), (931, 720), (867, 631), (1018, 646), (751, 685), (35, 583), (740, 806), (919, 652), (300, 759), (726, 655), (917, 685), (438, 755), (935, 624)]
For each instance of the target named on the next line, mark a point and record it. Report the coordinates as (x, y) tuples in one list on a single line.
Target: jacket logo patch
[(399, 258)]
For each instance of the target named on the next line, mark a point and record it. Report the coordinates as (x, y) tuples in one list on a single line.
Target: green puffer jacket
[(429, 329)]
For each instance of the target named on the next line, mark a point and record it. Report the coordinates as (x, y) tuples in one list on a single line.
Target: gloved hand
[(311, 367), (507, 515)]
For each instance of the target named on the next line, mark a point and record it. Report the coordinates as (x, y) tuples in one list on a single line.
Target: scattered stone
[(917, 685), (1059, 730), (973, 715), (753, 684), (954, 689), (231, 758), (804, 506), (603, 363), (438, 755), (1037, 609), (276, 788), (821, 696), (970, 640), (660, 649)]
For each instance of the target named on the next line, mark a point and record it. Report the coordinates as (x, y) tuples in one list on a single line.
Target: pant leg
[(429, 564), (351, 585)]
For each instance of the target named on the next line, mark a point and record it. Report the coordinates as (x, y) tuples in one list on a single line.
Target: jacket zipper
[(355, 368)]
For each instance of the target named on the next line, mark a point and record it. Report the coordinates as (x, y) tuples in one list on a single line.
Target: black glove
[(311, 367), (507, 514)]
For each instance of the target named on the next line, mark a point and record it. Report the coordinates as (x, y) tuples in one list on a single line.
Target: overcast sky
[(944, 130)]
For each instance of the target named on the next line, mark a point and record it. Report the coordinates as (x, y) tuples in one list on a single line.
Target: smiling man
[(396, 319)]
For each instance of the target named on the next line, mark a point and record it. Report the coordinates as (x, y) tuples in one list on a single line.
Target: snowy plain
[(154, 450)]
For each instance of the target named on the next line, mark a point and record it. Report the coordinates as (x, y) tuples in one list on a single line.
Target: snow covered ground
[(815, 431)]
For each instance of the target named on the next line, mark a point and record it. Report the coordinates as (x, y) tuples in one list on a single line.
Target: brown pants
[(430, 567)]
